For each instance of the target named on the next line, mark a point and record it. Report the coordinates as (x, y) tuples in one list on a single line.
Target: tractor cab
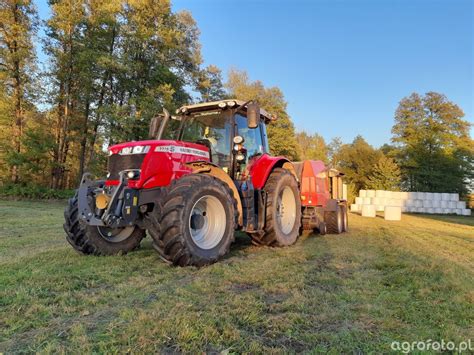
[(233, 131)]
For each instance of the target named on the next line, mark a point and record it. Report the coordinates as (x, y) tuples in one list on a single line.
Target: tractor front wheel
[(98, 240), (197, 221), (283, 217)]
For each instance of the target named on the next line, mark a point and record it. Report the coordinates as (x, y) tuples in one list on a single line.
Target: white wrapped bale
[(344, 191), (446, 210), (404, 209), (444, 204), (438, 210), (420, 210), (427, 203), (454, 197), (452, 204), (379, 193), (367, 200), (410, 203), (458, 211), (436, 203), (466, 212), (418, 203), (370, 193), (368, 211), (412, 195), (396, 195), (404, 195), (388, 194), (355, 207), (362, 193), (429, 196), (375, 201), (461, 204), (359, 201), (445, 197), (430, 210), (437, 196), (393, 213), (380, 208), (422, 195)]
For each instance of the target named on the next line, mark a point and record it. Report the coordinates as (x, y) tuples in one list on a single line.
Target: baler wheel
[(197, 220), (98, 240), (334, 221), (345, 219), (283, 217)]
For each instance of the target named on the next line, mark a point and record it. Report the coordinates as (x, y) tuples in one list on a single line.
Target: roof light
[(222, 105), (231, 103)]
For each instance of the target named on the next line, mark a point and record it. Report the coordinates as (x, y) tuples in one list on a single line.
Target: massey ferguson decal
[(182, 150)]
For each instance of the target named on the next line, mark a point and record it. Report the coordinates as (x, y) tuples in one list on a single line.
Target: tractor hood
[(156, 162)]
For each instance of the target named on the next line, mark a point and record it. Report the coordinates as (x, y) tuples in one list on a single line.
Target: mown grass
[(384, 281)]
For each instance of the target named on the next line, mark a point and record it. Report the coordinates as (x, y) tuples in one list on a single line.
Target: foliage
[(312, 146), (357, 161), (385, 175), (31, 191), (433, 145), (281, 133)]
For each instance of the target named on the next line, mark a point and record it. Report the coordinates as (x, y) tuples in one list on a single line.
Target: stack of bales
[(414, 202)]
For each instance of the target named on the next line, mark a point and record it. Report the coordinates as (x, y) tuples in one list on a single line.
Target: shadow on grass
[(463, 220)]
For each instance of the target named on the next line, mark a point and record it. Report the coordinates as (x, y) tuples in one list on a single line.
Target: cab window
[(253, 137)]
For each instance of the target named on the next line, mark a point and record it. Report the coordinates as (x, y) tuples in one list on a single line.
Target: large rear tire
[(283, 217), (98, 240), (197, 221), (334, 221)]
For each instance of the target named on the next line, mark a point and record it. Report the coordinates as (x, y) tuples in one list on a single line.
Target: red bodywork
[(160, 168), (261, 168), (314, 184)]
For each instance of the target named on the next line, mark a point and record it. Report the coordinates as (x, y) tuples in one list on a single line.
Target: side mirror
[(253, 115)]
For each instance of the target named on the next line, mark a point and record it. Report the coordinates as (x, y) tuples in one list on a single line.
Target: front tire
[(283, 217), (98, 240), (197, 221)]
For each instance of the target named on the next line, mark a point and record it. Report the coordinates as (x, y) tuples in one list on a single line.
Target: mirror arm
[(163, 123)]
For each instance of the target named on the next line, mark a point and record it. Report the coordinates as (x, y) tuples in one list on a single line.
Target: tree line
[(108, 67)]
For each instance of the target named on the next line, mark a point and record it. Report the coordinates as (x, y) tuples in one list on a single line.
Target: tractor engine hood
[(155, 163)]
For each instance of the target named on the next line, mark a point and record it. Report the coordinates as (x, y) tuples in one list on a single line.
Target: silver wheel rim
[(115, 235), (207, 222), (286, 210)]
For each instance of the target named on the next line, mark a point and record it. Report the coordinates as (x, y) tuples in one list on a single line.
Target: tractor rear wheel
[(334, 221), (197, 221), (98, 240), (283, 217)]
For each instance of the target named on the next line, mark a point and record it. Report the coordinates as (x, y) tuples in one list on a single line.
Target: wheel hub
[(207, 222), (286, 210)]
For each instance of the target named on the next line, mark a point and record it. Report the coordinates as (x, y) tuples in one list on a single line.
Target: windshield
[(212, 129)]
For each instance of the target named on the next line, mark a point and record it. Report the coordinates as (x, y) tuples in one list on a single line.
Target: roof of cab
[(204, 106)]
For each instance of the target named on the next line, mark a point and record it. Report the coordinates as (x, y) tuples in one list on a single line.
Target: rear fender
[(204, 167), (262, 167)]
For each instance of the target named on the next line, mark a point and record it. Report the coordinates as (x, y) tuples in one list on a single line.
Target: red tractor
[(203, 174)]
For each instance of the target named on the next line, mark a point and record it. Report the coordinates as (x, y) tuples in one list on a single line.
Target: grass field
[(384, 281)]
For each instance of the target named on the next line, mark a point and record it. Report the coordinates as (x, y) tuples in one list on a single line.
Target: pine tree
[(18, 24), (385, 175)]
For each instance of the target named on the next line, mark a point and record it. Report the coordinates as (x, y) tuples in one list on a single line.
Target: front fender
[(261, 168)]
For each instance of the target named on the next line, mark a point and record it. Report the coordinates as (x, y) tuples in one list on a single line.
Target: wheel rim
[(115, 235), (286, 210), (207, 222)]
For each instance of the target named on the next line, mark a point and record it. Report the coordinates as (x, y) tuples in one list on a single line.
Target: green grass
[(384, 281)]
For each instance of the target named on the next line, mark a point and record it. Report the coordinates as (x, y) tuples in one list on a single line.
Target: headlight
[(138, 149)]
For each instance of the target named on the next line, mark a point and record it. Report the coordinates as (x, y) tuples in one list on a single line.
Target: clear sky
[(343, 65)]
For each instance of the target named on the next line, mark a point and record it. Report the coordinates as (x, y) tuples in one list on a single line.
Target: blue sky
[(343, 65)]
